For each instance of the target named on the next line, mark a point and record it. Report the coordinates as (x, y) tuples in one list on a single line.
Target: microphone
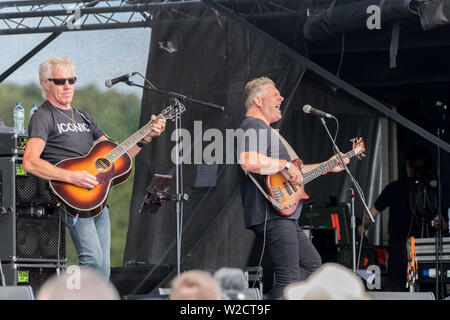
[(308, 109), (111, 82)]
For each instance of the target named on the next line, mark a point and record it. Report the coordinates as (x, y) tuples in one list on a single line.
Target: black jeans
[(291, 253)]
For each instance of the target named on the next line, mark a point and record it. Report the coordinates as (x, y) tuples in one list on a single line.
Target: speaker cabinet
[(30, 229), (29, 236), (336, 217), (325, 241), (33, 274)]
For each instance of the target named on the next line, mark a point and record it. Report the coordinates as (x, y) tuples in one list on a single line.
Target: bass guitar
[(107, 161), (288, 196)]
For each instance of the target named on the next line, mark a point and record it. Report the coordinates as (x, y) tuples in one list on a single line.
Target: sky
[(98, 55)]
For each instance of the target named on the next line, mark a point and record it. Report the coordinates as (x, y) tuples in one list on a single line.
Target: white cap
[(330, 282)]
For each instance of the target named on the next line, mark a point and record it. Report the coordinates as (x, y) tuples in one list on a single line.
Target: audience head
[(329, 282), (195, 285), (80, 284), (232, 282)]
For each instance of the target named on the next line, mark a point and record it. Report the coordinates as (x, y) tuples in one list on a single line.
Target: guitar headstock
[(169, 113), (358, 147)]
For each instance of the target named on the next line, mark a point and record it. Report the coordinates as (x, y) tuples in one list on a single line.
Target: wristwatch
[(142, 142), (288, 165)]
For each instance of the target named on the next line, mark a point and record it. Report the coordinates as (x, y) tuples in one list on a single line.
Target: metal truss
[(59, 16), (261, 7), (44, 16)]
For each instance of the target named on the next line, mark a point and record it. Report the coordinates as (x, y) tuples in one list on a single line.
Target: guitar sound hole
[(102, 164)]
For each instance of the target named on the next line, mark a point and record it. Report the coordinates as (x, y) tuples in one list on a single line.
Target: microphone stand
[(338, 152), (355, 183), (438, 226), (180, 195), (310, 221), (353, 226)]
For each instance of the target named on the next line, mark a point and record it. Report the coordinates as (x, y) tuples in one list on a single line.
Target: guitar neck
[(122, 148), (324, 167)]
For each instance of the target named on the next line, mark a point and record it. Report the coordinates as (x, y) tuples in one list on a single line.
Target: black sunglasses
[(62, 81)]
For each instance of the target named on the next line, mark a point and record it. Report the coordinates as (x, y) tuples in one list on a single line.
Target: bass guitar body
[(285, 193), (87, 203), (288, 196)]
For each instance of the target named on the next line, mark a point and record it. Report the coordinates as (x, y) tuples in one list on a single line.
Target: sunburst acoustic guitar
[(110, 163)]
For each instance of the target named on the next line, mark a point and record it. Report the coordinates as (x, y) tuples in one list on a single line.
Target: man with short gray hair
[(292, 255)]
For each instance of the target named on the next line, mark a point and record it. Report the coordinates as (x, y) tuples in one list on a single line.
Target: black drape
[(211, 60)]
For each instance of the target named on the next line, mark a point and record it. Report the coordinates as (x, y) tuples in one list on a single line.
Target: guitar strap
[(264, 193), (288, 147)]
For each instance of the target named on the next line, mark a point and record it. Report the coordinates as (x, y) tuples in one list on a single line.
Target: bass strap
[(288, 147), (264, 193)]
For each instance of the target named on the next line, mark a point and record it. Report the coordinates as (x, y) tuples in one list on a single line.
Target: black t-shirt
[(396, 196), (63, 138), (257, 136)]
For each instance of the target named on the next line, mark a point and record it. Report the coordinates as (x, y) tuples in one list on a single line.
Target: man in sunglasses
[(57, 132)]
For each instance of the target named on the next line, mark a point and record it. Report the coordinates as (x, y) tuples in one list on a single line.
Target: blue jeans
[(92, 240)]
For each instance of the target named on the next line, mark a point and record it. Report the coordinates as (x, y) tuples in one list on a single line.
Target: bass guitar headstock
[(358, 147)]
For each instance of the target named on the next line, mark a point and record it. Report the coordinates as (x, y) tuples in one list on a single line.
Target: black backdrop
[(213, 59)]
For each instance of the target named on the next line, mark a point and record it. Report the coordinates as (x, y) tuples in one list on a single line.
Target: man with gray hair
[(57, 131), (292, 255), (195, 285)]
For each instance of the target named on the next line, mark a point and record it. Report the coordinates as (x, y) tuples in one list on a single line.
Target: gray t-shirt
[(63, 138), (258, 136)]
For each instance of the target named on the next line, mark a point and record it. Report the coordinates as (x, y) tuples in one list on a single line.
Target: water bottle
[(33, 109), (19, 119)]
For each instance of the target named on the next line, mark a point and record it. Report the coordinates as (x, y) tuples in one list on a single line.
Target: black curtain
[(212, 59)]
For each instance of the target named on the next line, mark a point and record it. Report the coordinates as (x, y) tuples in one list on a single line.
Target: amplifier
[(33, 235), (34, 275), (18, 187), (32, 190), (12, 144), (336, 217), (30, 228)]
